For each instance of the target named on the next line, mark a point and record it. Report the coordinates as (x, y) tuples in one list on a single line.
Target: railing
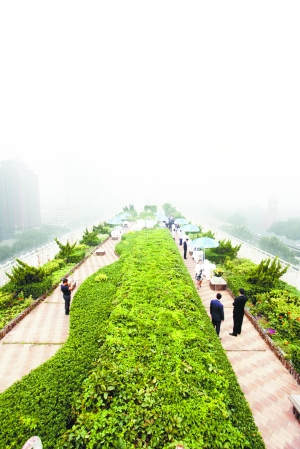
[(256, 255), (39, 256)]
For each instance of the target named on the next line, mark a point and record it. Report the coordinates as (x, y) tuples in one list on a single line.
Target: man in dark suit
[(217, 312), (185, 244), (238, 312)]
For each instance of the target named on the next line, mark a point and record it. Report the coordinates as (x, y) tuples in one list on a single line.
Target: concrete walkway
[(42, 332), (264, 380)]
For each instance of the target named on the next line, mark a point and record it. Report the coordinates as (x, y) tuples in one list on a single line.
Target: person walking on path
[(217, 312), (180, 236), (185, 244), (238, 312), (199, 274), (66, 289), (173, 234), (201, 255)]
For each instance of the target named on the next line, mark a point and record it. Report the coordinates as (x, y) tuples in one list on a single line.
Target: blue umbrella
[(114, 221), (205, 242), (124, 215), (189, 228), (181, 221), (161, 217)]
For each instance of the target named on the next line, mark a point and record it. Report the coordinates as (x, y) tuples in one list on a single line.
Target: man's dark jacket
[(239, 305), (216, 310)]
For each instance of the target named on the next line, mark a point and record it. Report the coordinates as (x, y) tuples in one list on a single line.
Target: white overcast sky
[(154, 100)]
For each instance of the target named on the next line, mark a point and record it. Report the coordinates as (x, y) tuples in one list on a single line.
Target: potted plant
[(218, 272)]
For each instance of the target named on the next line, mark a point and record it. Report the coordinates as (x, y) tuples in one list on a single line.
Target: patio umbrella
[(181, 221), (115, 221), (126, 214), (161, 217), (205, 242), (189, 228)]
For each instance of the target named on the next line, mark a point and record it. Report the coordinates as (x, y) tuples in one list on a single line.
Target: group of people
[(217, 312), (216, 307)]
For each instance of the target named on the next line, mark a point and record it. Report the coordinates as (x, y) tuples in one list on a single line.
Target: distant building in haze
[(272, 213), (19, 198)]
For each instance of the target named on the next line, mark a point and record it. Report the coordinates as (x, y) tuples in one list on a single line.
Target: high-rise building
[(272, 212), (19, 198)]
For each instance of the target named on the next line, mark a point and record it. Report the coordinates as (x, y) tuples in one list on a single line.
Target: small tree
[(25, 274), (223, 251), (66, 250), (28, 280), (101, 229), (90, 238), (267, 274)]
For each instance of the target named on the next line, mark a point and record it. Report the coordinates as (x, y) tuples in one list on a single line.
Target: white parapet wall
[(39, 256)]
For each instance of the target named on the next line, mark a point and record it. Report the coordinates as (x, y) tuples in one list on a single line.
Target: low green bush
[(37, 289), (53, 265), (76, 256), (223, 252)]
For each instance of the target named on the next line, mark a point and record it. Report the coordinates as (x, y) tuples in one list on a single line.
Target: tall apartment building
[(19, 198)]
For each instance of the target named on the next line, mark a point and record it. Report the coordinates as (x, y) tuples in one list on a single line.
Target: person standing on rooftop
[(217, 312), (238, 312)]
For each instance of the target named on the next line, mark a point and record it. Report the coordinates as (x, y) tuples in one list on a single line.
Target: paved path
[(262, 377), (42, 332)]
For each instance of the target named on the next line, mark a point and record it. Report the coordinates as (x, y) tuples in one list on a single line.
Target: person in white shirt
[(198, 274), (196, 255), (201, 255)]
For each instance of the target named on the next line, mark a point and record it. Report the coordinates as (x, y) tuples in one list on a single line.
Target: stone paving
[(263, 379), (42, 332)]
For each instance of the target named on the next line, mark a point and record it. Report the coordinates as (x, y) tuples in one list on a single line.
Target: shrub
[(53, 265), (223, 252), (37, 289), (65, 251), (76, 256), (90, 238), (24, 275), (267, 274)]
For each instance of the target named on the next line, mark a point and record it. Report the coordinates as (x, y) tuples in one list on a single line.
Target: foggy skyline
[(161, 101)]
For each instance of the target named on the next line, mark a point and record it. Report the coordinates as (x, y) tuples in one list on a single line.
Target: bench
[(295, 400), (217, 283), (100, 252)]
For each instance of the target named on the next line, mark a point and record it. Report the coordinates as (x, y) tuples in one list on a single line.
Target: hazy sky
[(154, 100)]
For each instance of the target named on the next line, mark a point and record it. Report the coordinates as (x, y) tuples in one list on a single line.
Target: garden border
[(4, 331), (277, 351)]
